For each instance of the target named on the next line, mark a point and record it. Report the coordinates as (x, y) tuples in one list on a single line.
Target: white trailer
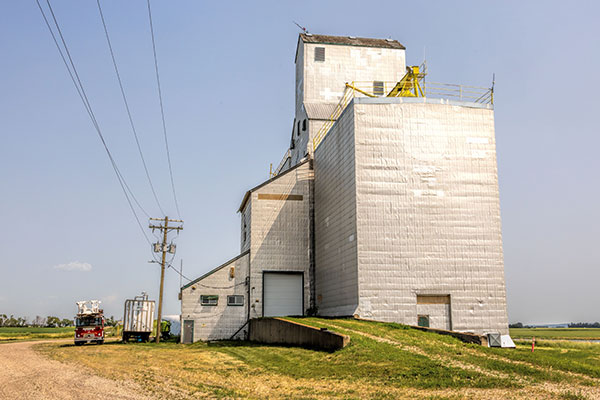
[(138, 318)]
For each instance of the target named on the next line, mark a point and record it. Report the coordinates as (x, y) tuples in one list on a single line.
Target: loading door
[(282, 294), (434, 311)]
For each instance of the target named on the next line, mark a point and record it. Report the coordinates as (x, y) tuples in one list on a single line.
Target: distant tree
[(66, 322), (584, 325), (39, 321), (52, 322), (110, 321), (517, 325), (12, 321)]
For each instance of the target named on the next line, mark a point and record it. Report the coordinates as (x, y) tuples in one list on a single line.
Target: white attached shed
[(272, 275), (214, 306)]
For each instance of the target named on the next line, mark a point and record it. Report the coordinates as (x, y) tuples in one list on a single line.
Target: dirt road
[(24, 374)]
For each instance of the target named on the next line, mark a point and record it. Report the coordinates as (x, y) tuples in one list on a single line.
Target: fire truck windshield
[(88, 321)]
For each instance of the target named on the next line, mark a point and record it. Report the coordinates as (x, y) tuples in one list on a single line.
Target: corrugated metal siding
[(320, 85), (221, 321), (138, 316), (335, 220), (324, 82), (281, 232), (245, 224), (319, 110), (428, 213)]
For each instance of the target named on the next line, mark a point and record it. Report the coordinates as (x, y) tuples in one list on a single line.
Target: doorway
[(188, 331), (283, 294)]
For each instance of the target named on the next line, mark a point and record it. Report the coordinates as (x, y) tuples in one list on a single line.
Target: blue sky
[(227, 71)]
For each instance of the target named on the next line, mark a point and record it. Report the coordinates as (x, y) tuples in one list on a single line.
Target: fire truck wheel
[(78, 343), (100, 342)]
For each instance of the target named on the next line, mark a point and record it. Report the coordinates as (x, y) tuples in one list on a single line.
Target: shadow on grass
[(244, 343)]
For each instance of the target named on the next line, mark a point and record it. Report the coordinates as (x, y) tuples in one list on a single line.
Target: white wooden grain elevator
[(385, 206)]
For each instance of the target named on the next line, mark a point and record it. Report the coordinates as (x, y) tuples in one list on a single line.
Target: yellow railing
[(413, 84), (473, 94), (349, 94)]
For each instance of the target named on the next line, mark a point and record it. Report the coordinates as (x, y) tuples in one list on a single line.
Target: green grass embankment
[(383, 360)]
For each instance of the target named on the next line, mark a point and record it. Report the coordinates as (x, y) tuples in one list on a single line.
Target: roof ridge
[(352, 41)]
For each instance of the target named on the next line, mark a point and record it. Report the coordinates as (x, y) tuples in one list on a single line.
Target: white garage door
[(282, 294)]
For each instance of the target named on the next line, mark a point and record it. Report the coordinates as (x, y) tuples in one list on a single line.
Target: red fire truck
[(89, 323)]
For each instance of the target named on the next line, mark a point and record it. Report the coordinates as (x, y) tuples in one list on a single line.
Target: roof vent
[(389, 40), (351, 37), (319, 56), (308, 34)]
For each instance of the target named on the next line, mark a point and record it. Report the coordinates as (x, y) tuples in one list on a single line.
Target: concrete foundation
[(281, 331)]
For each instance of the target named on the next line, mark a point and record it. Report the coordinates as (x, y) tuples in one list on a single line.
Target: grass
[(556, 333), (31, 333), (11, 334), (382, 361)]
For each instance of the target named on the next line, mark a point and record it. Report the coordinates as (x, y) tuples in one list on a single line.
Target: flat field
[(556, 333), (9, 334), (382, 361)]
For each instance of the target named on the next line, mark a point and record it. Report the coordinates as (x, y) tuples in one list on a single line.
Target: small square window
[(378, 89), (235, 300), (320, 54), (209, 300), (423, 320)]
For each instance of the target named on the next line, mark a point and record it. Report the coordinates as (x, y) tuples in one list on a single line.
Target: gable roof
[(352, 41), (321, 111), (247, 195), (212, 271)]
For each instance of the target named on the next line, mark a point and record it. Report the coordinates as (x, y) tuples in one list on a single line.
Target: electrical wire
[(221, 287), (137, 141), (170, 265), (83, 96), (179, 273), (162, 111)]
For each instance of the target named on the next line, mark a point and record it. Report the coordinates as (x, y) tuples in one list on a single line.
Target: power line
[(85, 99), (179, 273), (114, 61), (162, 111), (81, 91)]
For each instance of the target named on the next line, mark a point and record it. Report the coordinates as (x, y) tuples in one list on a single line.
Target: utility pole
[(164, 248)]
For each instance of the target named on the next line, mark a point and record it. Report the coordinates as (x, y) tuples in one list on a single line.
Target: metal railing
[(473, 94), (348, 95), (423, 88), (286, 156)]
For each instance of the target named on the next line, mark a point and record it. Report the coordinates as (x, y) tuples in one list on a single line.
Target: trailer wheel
[(125, 337), (100, 341)]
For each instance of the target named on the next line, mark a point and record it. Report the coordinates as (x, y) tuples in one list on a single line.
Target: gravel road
[(24, 374)]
